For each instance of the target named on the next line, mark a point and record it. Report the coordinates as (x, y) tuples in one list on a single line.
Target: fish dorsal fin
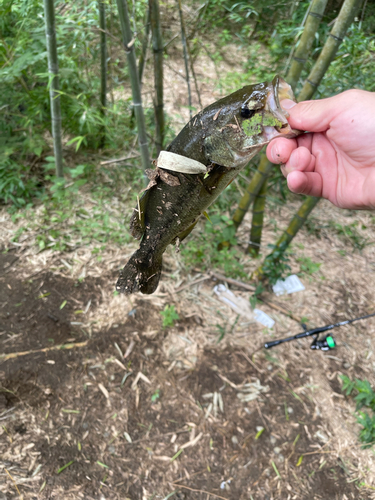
[(137, 221)]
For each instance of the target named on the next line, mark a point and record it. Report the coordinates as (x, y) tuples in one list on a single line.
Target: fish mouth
[(279, 90)]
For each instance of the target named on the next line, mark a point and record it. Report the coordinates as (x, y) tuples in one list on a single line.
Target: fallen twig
[(281, 309), (240, 284), (15, 484), (199, 280), (117, 160), (12, 355)]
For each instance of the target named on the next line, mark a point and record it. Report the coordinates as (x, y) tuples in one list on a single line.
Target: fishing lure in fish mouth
[(203, 160)]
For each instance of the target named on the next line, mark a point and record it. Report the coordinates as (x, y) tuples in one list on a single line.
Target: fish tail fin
[(139, 277)]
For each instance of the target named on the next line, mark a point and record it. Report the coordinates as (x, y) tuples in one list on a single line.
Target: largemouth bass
[(223, 138)]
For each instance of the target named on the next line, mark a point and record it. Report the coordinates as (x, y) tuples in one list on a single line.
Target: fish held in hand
[(203, 160)]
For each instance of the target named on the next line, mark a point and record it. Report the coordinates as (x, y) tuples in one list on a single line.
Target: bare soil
[(165, 432)]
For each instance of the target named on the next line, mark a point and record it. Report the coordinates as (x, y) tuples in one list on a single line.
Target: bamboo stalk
[(103, 68), (53, 70), (257, 222), (186, 55), (145, 42), (283, 242), (128, 42), (158, 49), (194, 75), (252, 190), (314, 17), (343, 21)]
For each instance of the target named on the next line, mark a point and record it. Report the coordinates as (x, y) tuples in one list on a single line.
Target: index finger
[(279, 150)]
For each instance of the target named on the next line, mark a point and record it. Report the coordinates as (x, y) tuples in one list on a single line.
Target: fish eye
[(246, 112)]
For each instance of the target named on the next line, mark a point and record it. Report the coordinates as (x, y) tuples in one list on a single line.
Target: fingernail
[(287, 104)]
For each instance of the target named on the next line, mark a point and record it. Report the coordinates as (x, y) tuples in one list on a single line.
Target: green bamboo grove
[(314, 15), (265, 167), (343, 21)]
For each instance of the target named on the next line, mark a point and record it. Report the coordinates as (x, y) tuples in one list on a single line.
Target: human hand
[(336, 159)]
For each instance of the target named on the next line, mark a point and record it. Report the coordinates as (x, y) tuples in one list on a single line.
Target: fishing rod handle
[(268, 345)]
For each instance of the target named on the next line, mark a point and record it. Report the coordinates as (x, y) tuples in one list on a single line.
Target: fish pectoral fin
[(216, 151), (187, 231), (137, 221)]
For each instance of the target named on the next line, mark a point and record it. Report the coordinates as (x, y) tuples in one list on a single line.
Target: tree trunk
[(252, 189), (295, 225), (186, 55), (343, 21), (145, 42), (53, 69), (128, 42), (302, 51), (257, 222), (158, 49), (103, 68)]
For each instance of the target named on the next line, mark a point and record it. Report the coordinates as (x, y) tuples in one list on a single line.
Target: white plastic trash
[(291, 284)]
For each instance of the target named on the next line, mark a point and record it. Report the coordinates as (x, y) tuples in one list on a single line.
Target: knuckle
[(352, 94)]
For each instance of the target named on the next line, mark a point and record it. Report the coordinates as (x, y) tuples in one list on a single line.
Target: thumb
[(312, 116)]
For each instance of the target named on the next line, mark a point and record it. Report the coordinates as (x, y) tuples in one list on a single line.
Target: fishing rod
[(324, 344)]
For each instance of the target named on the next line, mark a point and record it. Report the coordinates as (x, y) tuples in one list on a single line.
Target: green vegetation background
[(264, 34)]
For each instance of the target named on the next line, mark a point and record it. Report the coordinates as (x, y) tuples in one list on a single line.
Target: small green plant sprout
[(308, 266), (254, 298), (365, 395), (155, 396), (169, 315), (367, 434), (276, 264), (350, 233), (222, 330)]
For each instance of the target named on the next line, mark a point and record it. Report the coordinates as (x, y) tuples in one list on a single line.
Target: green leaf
[(259, 433), (177, 455), (65, 466), (102, 465)]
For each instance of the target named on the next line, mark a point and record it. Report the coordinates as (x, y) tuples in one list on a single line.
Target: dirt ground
[(133, 410), (99, 401)]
